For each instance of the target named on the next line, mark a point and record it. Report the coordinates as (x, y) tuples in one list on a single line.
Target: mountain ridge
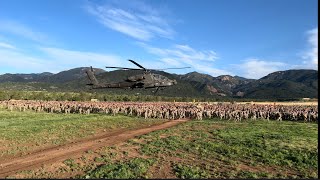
[(294, 83)]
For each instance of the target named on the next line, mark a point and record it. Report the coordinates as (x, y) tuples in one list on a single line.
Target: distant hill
[(221, 85), (72, 74), (25, 77), (277, 85), (283, 84)]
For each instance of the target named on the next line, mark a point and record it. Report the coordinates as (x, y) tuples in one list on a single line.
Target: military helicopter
[(145, 80)]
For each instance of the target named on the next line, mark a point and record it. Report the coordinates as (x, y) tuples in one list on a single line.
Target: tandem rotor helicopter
[(146, 80)]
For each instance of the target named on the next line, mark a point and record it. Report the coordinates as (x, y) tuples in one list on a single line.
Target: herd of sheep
[(171, 110)]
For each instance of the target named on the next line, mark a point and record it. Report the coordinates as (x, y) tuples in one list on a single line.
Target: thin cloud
[(311, 55), (179, 55), (210, 70), (23, 63), (71, 58), (136, 22), (7, 45), (19, 29), (254, 68), (171, 62), (53, 60)]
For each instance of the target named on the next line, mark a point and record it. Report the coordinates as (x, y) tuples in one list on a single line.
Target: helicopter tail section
[(92, 78)]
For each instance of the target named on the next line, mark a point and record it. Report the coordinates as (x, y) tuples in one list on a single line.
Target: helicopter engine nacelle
[(136, 78)]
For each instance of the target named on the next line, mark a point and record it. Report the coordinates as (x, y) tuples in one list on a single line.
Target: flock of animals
[(170, 110)]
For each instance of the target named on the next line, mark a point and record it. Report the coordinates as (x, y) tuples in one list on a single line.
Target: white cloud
[(178, 55), (311, 55), (170, 61), (136, 21), (142, 22), (6, 45), (183, 53), (71, 58), (22, 63), (210, 70), (19, 29), (54, 60), (255, 68)]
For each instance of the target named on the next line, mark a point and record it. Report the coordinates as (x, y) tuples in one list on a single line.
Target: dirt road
[(54, 154)]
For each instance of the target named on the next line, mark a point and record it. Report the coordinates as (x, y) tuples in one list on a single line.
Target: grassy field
[(25, 131), (202, 149)]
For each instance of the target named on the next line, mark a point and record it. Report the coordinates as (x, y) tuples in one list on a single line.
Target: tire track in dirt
[(54, 154)]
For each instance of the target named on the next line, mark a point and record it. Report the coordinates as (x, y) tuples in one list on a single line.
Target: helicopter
[(145, 80)]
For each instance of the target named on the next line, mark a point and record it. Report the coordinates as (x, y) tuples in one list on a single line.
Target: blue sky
[(248, 38)]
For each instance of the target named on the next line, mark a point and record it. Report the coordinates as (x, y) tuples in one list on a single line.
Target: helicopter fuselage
[(150, 80), (146, 80)]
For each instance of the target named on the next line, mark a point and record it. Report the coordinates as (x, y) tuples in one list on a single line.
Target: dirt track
[(54, 154)]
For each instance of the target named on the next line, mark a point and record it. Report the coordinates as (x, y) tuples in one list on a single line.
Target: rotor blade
[(130, 69), (137, 64)]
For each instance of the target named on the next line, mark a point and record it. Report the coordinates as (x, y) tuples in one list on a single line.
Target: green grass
[(134, 168), (190, 172), (22, 130), (208, 149), (267, 149)]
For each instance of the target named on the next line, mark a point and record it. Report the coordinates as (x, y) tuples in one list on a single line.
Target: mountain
[(283, 84), (203, 83), (277, 85), (220, 86), (72, 74), (25, 77), (61, 77)]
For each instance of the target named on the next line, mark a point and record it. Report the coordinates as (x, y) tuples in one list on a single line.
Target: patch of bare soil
[(162, 170), (268, 169), (74, 149)]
